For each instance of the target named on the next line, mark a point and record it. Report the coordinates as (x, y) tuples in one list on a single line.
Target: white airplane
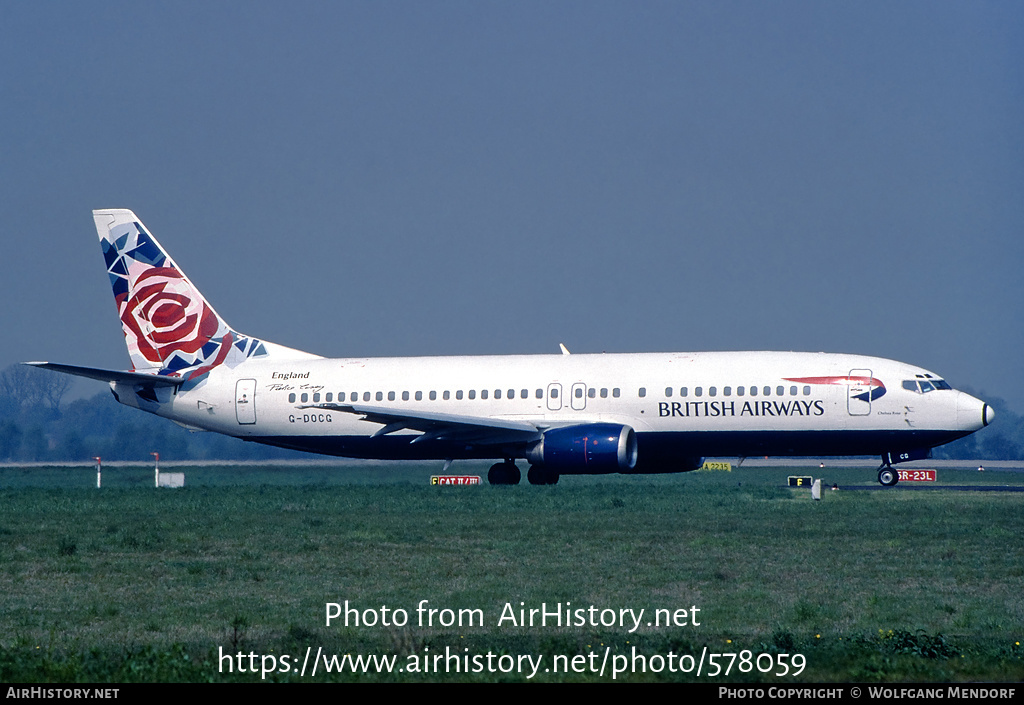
[(564, 414)]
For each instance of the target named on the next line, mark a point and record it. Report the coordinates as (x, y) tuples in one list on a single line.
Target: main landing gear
[(540, 475), (506, 473), (887, 477)]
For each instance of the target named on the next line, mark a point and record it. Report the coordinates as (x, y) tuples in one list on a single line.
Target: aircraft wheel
[(537, 475), (504, 474), (496, 475), (540, 475), (888, 477)]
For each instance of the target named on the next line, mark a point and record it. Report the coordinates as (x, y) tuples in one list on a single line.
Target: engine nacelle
[(589, 449)]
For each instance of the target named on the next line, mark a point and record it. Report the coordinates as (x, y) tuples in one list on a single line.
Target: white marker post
[(156, 469), (99, 465)]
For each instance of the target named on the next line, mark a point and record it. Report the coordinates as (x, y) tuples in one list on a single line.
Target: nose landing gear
[(887, 477)]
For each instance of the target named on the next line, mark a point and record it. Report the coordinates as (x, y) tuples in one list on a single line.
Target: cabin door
[(245, 401), (858, 394), (579, 396), (554, 396)]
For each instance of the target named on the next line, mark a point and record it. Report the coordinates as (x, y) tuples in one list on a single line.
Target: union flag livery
[(874, 387)]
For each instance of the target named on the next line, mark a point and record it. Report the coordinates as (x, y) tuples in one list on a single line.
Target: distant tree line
[(37, 425)]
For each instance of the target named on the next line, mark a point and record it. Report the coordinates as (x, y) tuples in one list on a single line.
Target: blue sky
[(405, 178)]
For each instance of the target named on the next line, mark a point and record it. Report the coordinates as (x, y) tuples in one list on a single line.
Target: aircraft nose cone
[(972, 414)]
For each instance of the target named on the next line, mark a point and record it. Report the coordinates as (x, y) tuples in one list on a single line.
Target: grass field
[(129, 583)]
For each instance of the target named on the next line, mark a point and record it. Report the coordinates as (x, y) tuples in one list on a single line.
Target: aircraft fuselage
[(679, 404)]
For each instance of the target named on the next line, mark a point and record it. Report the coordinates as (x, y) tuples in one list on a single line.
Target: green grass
[(131, 583)]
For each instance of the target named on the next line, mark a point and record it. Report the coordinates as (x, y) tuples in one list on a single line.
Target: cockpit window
[(924, 384)]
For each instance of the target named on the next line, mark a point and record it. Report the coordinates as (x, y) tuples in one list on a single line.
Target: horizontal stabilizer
[(102, 375)]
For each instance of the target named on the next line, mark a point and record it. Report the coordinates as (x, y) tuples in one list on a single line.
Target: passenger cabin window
[(698, 391), (615, 392), (668, 391), (291, 398), (642, 392)]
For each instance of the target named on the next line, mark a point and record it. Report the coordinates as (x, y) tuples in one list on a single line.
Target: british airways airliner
[(565, 414)]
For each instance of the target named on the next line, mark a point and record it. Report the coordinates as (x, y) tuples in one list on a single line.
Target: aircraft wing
[(102, 375), (435, 426)]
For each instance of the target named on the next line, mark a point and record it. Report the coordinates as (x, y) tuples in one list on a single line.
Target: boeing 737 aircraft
[(564, 414)]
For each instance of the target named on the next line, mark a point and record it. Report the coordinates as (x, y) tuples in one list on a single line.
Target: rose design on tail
[(167, 323), (163, 316)]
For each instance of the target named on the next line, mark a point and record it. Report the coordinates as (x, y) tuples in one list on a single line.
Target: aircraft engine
[(589, 449)]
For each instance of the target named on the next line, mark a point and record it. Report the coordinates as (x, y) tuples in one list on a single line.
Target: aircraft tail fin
[(169, 327)]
